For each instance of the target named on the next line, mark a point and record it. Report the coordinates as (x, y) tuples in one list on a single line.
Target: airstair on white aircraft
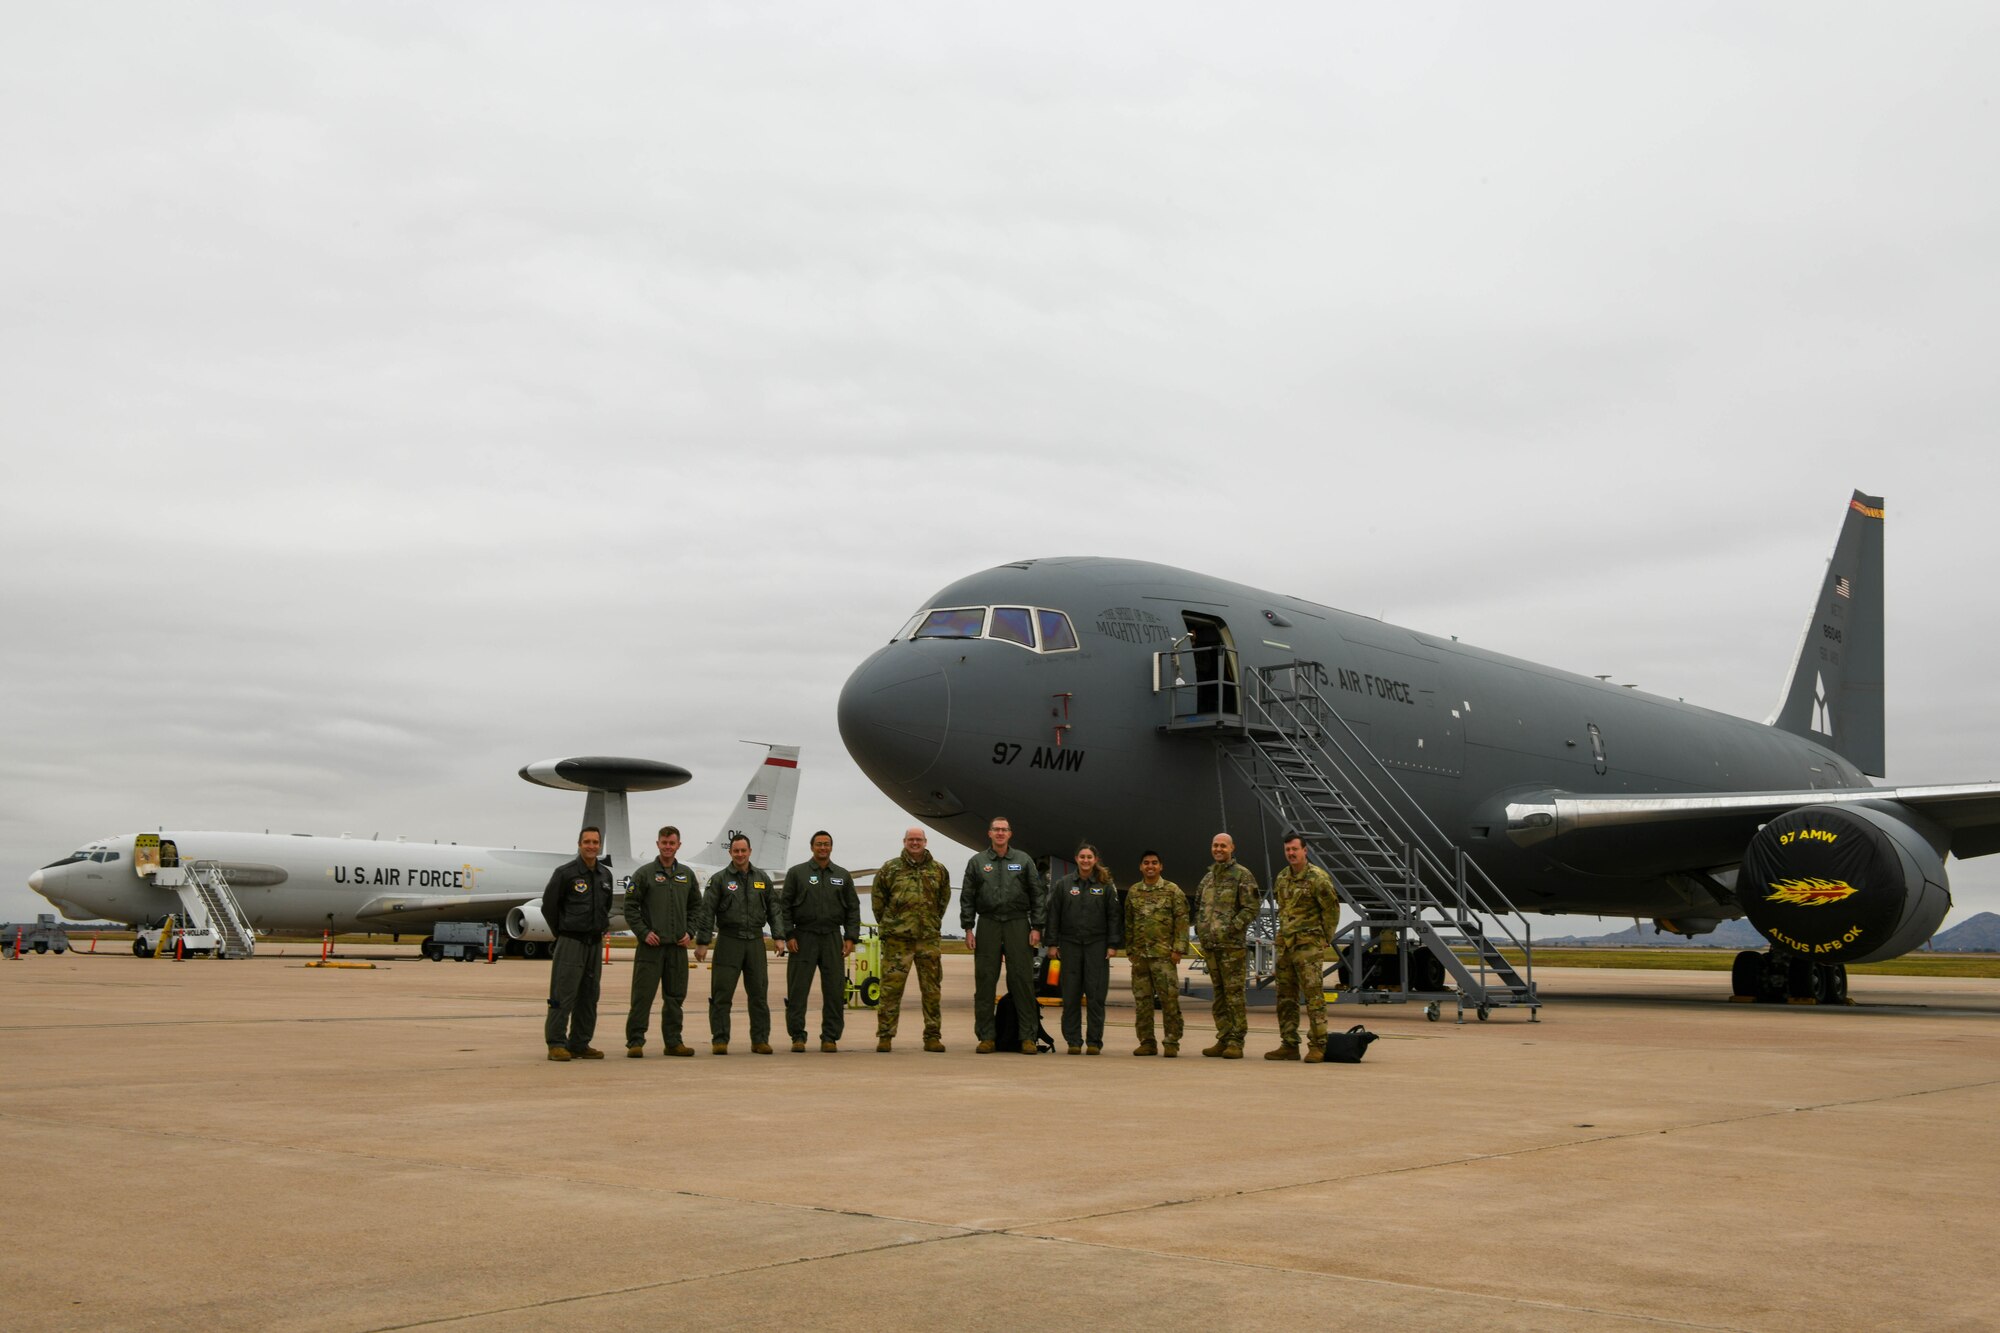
[(209, 905), (1423, 910)]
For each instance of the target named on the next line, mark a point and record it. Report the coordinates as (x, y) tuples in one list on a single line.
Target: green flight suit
[(1000, 900), (822, 908), (664, 901), (735, 908)]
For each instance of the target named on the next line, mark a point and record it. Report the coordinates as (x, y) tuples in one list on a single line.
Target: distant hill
[(1738, 934), (1975, 934)]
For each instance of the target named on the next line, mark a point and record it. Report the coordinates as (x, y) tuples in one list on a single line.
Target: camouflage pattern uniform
[(1156, 928), (1308, 914), (908, 899), (1230, 901)]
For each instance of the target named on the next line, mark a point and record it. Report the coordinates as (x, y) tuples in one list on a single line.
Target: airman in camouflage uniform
[(1156, 931), (1308, 914), (1230, 900), (908, 899)]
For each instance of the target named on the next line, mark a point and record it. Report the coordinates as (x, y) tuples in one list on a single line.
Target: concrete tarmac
[(223, 1145)]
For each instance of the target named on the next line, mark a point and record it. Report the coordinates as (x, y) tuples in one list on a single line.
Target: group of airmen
[(813, 913)]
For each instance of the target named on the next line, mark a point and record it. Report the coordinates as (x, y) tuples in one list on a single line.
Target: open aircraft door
[(1211, 664)]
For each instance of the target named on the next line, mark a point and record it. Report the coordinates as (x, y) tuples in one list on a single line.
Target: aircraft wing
[(410, 911), (1693, 831)]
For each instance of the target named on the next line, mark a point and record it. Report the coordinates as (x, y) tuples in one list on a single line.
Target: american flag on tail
[(757, 802)]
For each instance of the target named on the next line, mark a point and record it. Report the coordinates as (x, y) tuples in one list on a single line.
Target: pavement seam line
[(1475, 1158), (506, 1173), (671, 1282), (1175, 1256)]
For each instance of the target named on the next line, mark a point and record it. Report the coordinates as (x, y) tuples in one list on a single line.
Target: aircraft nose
[(35, 881), (894, 712)]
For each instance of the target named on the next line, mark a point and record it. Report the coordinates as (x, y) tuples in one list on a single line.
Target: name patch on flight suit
[(1097, 889), (758, 885), (836, 880)]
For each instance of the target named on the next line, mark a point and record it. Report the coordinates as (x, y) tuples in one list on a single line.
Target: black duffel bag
[(1347, 1048)]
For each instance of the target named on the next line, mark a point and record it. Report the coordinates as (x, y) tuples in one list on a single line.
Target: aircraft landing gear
[(1771, 978)]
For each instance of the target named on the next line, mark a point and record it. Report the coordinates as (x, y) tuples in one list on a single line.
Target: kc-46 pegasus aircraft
[(239, 883), (1139, 706)]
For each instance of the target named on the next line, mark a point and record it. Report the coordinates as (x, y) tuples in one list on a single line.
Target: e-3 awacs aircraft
[(1135, 705), (297, 882)]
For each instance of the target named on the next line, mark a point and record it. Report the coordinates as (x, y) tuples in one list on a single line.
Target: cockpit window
[(69, 860), (962, 622), (1032, 627), (1014, 624), (105, 856), (1056, 633)]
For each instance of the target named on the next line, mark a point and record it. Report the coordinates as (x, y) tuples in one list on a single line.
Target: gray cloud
[(395, 397)]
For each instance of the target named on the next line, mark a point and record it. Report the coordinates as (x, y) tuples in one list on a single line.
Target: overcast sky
[(393, 395)]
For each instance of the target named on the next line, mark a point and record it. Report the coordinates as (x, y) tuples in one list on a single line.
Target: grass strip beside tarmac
[(1719, 960)]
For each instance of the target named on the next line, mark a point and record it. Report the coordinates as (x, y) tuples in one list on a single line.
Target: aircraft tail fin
[(1834, 695), (762, 813)]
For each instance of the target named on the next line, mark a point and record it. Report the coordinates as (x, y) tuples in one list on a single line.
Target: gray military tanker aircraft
[(1136, 705)]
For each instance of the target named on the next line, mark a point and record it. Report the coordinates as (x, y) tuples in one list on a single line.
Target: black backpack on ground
[(1347, 1048), (1007, 1028)]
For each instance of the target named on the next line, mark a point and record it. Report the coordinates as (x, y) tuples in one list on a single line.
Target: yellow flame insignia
[(1809, 892)]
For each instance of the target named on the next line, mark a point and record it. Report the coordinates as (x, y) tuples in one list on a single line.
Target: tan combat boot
[(719, 1047), (1075, 1049), (1233, 1051), (798, 1045), (679, 1049), (636, 1052), (560, 1053), (1093, 1050), (1146, 1047), (984, 1048), (1288, 1050), (590, 1053), (1217, 1049), (1172, 1049), (1029, 1048), (1316, 1053), (934, 1044), (825, 1047), (761, 1048), (882, 1044)]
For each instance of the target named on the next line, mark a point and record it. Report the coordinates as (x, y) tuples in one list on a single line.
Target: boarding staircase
[(1423, 911), (208, 903)]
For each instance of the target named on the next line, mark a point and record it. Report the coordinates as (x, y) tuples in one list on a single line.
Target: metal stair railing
[(225, 914), (1408, 874)]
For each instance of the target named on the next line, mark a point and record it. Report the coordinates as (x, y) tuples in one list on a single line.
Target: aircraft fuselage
[(1071, 746), (297, 883)]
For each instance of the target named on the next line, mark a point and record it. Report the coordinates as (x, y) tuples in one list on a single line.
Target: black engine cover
[(1844, 883)]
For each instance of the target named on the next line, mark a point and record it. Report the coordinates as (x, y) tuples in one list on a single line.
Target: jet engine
[(1845, 883), (526, 923)]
